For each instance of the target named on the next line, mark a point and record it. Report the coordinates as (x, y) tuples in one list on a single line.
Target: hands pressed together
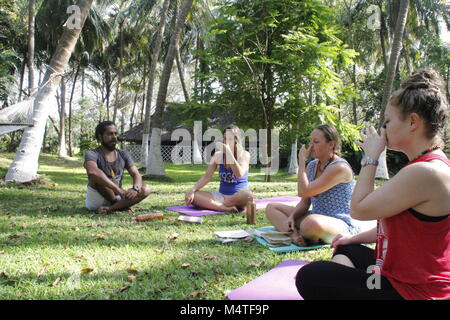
[(373, 144)]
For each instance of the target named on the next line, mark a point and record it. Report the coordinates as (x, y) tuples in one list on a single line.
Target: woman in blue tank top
[(233, 162), (327, 184)]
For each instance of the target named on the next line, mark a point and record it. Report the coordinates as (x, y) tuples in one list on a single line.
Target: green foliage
[(86, 142), (275, 63), (51, 235)]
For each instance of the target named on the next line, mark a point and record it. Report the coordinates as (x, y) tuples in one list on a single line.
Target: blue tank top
[(229, 184), (334, 202)]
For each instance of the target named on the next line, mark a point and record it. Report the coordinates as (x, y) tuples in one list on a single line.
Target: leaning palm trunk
[(393, 62), (25, 165), (151, 80), (62, 122), (155, 165), (30, 53)]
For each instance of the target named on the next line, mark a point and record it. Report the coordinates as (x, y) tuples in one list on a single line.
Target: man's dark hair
[(101, 128)]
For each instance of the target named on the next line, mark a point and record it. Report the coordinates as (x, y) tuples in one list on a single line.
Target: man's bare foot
[(127, 210), (103, 210)]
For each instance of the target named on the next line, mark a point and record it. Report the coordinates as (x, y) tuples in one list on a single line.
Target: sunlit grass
[(51, 247)]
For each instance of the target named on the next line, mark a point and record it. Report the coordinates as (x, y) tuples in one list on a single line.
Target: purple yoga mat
[(260, 204), (277, 284)]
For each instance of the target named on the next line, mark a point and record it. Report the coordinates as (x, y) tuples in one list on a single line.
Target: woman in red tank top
[(412, 254)]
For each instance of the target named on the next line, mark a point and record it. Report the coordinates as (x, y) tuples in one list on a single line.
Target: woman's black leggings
[(326, 280)]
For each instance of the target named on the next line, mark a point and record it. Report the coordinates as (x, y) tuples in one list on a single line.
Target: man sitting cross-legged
[(105, 167)]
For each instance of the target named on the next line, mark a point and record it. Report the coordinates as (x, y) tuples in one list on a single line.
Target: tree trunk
[(391, 72), (382, 40), (22, 75), (70, 110), (30, 55), (155, 165), (25, 165), (151, 80), (62, 118), (181, 75), (395, 55), (354, 104), (108, 93), (119, 80)]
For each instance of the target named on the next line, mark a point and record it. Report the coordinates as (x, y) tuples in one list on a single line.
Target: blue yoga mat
[(284, 249)]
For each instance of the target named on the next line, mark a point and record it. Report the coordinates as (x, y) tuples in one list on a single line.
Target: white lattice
[(178, 154)]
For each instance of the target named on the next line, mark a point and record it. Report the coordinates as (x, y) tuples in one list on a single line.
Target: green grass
[(47, 237)]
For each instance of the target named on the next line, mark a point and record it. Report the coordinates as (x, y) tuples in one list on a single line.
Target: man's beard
[(109, 147)]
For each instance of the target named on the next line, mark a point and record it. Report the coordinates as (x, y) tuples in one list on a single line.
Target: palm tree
[(152, 73), (155, 165), (395, 55), (25, 165), (30, 54), (382, 171)]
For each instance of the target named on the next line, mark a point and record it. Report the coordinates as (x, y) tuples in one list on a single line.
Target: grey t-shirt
[(113, 170)]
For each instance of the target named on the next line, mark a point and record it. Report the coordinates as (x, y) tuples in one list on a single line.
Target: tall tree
[(152, 74), (62, 152), (30, 53), (395, 55), (396, 50), (155, 165), (25, 165)]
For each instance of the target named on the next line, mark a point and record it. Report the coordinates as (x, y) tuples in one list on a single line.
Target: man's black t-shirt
[(113, 170)]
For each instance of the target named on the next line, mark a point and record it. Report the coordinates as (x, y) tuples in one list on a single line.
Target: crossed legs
[(206, 200), (314, 227), (114, 203)]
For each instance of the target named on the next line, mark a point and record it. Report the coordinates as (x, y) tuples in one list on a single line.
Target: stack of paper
[(231, 236), (274, 238), (190, 219)]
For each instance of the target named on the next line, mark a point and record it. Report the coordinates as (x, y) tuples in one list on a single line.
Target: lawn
[(51, 247)]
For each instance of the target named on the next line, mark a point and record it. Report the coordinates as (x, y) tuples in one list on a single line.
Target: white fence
[(184, 154)]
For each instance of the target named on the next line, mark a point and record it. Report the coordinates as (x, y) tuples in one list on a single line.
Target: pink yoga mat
[(277, 284), (260, 204)]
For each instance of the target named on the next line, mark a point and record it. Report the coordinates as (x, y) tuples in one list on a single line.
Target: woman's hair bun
[(423, 79)]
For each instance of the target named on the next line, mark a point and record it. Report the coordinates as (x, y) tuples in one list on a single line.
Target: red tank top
[(415, 255)]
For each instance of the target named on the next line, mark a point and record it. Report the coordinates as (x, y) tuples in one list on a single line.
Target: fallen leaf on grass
[(131, 278), (123, 289), (14, 236), (76, 229), (197, 293), (56, 282), (257, 265), (173, 236), (99, 236), (41, 273), (185, 265), (132, 271), (208, 257), (86, 270)]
